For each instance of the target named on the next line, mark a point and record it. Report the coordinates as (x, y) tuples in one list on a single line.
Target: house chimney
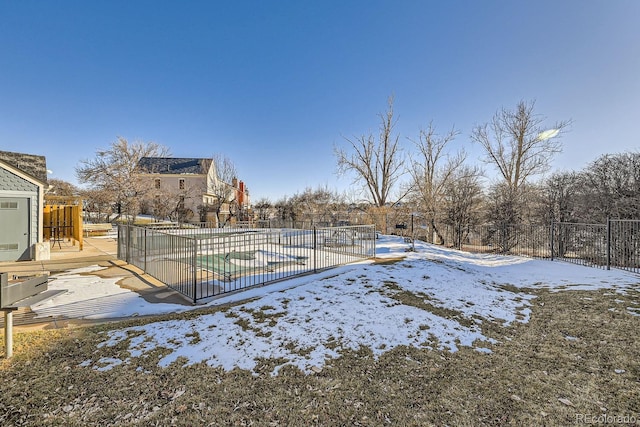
[(241, 193)]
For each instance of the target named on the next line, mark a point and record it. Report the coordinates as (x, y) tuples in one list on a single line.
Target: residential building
[(189, 189), (23, 182)]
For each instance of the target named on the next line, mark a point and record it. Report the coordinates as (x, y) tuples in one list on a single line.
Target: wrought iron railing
[(202, 262), (615, 244)]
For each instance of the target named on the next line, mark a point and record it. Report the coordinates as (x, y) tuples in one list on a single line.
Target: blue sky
[(275, 85)]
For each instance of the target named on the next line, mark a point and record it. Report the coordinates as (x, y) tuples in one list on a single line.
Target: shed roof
[(31, 164), (174, 165)]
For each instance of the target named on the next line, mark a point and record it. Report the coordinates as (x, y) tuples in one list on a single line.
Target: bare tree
[(504, 210), (221, 186), (519, 147), (560, 197), (517, 144), (161, 205), (114, 171), (166, 203), (612, 187), (432, 171), (98, 204), (376, 163), (462, 200), (612, 191), (263, 208), (59, 187), (319, 206), (286, 213)]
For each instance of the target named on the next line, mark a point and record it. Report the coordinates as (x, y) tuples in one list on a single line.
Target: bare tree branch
[(376, 164), (432, 171), (517, 144), (114, 170), (221, 186)]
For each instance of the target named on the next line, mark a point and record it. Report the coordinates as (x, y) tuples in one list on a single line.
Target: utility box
[(26, 293), (21, 294)]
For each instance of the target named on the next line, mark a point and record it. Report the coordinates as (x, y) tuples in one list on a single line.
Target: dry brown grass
[(578, 354)]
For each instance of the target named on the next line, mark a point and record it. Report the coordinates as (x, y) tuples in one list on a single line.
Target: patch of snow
[(308, 321)]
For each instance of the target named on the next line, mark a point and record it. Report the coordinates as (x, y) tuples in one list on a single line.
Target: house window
[(182, 184), (157, 183), (181, 203)]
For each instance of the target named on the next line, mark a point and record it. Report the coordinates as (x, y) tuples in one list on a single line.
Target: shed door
[(14, 229)]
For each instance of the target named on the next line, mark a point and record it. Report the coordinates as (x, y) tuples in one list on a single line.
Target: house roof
[(174, 165), (31, 164)]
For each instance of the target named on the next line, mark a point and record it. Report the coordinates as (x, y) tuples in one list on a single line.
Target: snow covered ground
[(307, 321)]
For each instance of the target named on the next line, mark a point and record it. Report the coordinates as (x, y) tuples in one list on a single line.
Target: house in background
[(187, 185), (23, 182)]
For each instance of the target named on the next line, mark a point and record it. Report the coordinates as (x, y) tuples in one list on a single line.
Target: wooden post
[(77, 222)]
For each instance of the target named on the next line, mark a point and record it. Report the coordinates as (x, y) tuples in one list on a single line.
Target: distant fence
[(614, 244), (202, 262)]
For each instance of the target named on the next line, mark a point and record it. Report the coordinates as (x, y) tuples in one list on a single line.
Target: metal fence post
[(375, 237), (413, 236), (412, 233), (552, 237), (127, 233), (195, 270), (315, 248), (608, 243), (145, 250)]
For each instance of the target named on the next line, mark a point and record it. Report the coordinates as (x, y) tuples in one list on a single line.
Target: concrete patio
[(66, 256)]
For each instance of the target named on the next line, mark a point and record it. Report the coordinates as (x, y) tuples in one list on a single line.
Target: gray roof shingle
[(31, 164), (174, 165)]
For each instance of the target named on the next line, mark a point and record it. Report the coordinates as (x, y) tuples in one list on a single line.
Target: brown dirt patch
[(578, 356)]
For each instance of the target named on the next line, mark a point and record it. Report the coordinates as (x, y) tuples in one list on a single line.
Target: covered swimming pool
[(203, 263)]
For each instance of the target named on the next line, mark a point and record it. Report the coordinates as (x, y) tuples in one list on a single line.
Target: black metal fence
[(202, 262), (624, 245), (615, 244), (584, 244)]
